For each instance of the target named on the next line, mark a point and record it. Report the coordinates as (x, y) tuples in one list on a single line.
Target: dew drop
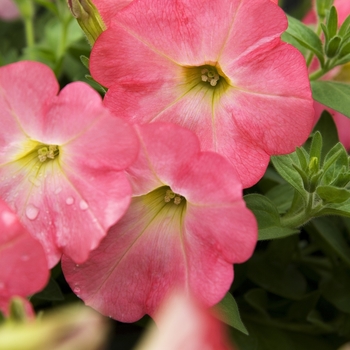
[(32, 212), (58, 190), (24, 257), (2, 285), (70, 200), (8, 218), (83, 205), (76, 289)]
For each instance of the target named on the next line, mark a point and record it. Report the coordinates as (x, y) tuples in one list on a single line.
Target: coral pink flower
[(8, 10), (185, 325), (187, 223), (219, 70), (61, 160), (23, 265), (342, 122)]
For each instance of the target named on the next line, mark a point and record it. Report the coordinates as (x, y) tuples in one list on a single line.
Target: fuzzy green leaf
[(227, 311), (332, 94)]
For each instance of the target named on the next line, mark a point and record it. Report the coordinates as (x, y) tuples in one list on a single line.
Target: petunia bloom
[(183, 324), (23, 265), (186, 224), (339, 73), (61, 160), (220, 70)]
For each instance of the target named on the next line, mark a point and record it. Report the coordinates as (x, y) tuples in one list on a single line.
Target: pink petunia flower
[(8, 10), (220, 70), (187, 223), (61, 160), (183, 324), (342, 122), (23, 265)]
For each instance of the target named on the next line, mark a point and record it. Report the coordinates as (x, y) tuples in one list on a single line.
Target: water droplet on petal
[(58, 190), (2, 285), (32, 212), (8, 218), (70, 200), (76, 289), (24, 257), (83, 205)]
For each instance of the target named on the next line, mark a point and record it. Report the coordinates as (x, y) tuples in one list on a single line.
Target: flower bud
[(88, 18)]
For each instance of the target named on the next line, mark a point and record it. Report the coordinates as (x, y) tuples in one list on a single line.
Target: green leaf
[(51, 292), (332, 22), (287, 282), (336, 289), (268, 218), (287, 38), (301, 308), (332, 46), (306, 37), (281, 196), (257, 298), (344, 27), (316, 147), (322, 6), (332, 94), (344, 50), (85, 61), (227, 312), (331, 194), (343, 59), (315, 318), (284, 166), (326, 229), (329, 132)]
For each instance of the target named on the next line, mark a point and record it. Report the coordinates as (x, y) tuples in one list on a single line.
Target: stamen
[(169, 195), (177, 200), (210, 76), (47, 152)]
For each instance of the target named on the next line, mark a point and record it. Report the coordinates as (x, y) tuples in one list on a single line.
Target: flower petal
[(26, 90), (23, 266)]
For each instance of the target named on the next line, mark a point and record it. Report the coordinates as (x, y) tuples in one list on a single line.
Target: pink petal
[(155, 247), (26, 90), (259, 24), (162, 154), (109, 8), (188, 30), (23, 266)]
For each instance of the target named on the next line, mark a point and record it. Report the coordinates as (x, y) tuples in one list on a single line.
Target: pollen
[(170, 195), (210, 76), (47, 152)]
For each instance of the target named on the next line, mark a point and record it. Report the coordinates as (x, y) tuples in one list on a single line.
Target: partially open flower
[(186, 225), (220, 70), (61, 160)]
